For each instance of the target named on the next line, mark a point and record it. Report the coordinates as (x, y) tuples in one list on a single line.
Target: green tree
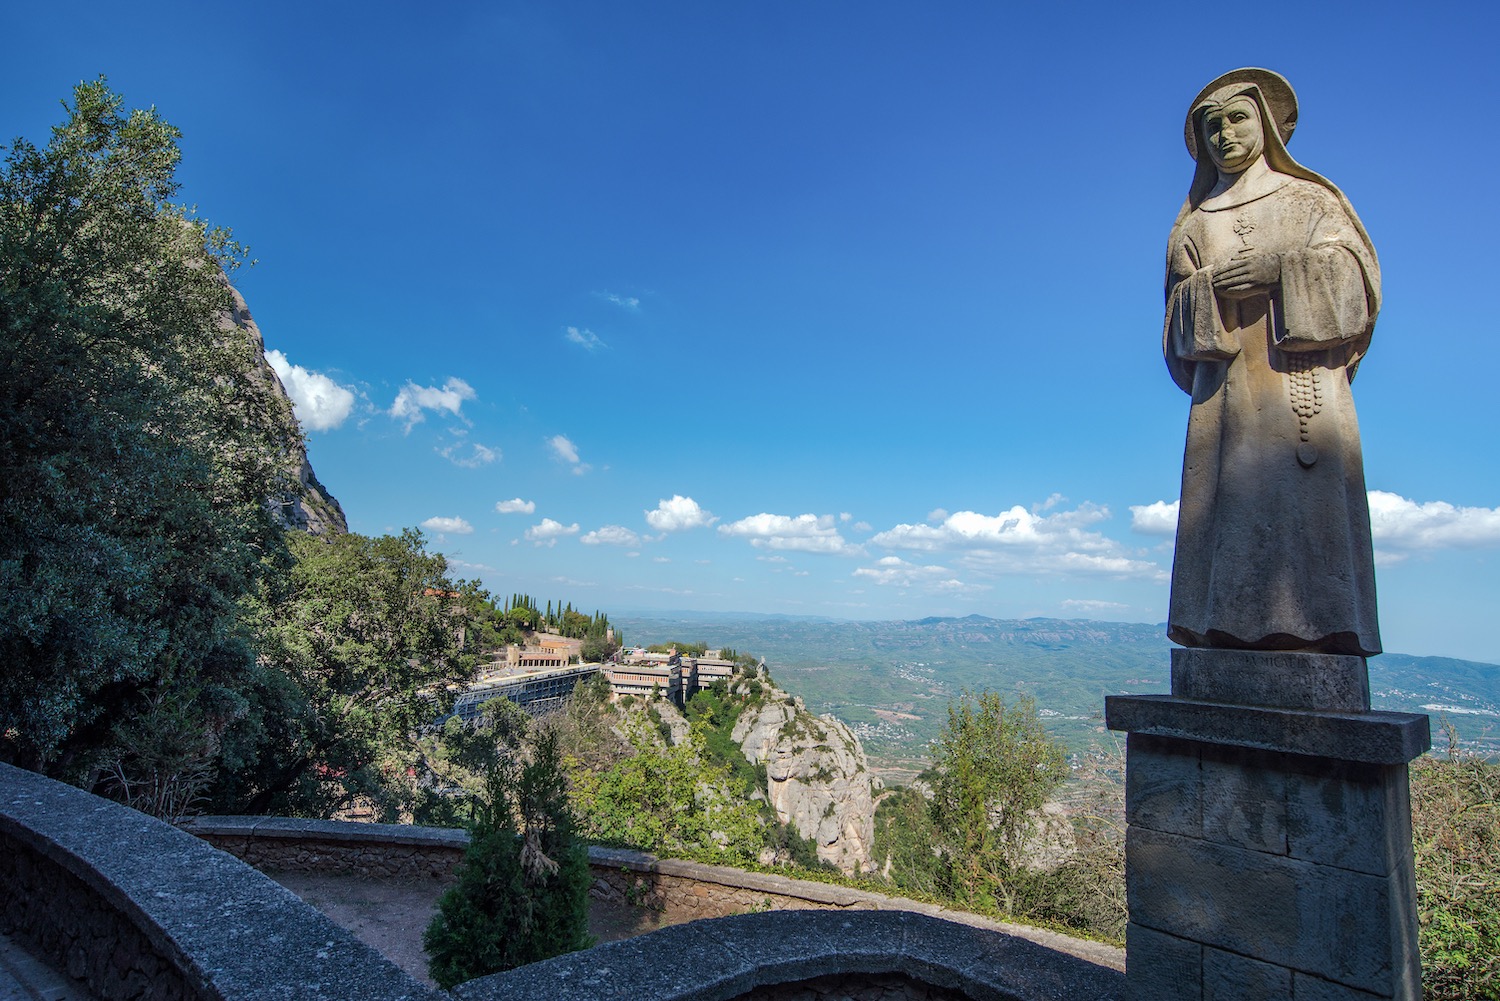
[(668, 799), (138, 446), (461, 757), (522, 891), (995, 765), (906, 842), (367, 632)]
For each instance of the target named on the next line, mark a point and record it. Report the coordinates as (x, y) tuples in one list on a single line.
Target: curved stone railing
[(783, 956), (141, 911)]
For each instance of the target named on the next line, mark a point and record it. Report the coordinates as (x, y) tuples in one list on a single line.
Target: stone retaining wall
[(683, 891)]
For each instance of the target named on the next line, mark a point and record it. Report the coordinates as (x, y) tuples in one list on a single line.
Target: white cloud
[(1093, 605), (1156, 518), (611, 535), (319, 403), (564, 450), (862, 526), (893, 570), (623, 301), (413, 400), (937, 514), (661, 559), (448, 526), (548, 532), (1400, 523), (478, 455), (584, 338), (679, 514), (1022, 541), (807, 533), (516, 506), (1395, 522)]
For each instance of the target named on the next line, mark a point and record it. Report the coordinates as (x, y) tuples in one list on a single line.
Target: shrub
[(522, 891), (1456, 839)]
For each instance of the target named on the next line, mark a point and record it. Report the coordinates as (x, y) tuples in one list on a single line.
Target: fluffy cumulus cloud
[(319, 403), (516, 506), (1396, 523), (585, 338), (413, 401), (1022, 541), (564, 451), (611, 535), (679, 514), (472, 457), (448, 526), (806, 533), (1156, 518), (1399, 523), (548, 532)]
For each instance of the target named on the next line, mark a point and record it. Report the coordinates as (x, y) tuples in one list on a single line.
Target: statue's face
[(1233, 135)]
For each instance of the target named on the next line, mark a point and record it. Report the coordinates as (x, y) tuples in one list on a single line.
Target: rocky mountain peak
[(308, 505)]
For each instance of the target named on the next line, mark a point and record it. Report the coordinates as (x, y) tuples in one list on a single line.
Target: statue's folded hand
[(1246, 272)]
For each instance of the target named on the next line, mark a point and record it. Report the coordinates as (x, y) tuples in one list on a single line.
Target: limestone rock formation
[(817, 777), (308, 505)]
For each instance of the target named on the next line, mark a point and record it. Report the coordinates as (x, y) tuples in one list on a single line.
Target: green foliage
[(138, 447), (685, 649), (522, 891), (995, 764), (461, 757), (365, 628), (1456, 837), (906, 842), (668, 800), (597, 649)]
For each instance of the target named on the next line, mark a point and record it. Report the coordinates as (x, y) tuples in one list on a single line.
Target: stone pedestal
[(1268, 853)]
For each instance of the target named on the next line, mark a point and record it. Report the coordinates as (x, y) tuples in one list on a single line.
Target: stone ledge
[(724, 958), (299, 829), (1384, 738), (223, 931)]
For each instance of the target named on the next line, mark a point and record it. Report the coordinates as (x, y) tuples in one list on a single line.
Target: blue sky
[(844, 309)]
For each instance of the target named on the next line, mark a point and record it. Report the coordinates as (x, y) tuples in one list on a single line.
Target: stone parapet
[(778, 956), (681, 890), (140, 911)]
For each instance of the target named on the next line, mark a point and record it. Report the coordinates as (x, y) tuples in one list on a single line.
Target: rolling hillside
[(891, 681)]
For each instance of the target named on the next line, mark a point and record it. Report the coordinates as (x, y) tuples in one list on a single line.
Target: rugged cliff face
[(816, 775), (308, 505)]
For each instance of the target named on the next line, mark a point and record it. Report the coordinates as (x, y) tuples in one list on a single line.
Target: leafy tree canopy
[(137, 446)]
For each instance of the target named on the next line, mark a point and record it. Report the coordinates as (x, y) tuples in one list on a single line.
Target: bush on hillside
[(522, 891), (1456, 837)]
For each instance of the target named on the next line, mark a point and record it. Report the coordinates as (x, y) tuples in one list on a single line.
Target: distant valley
[(891, 681)]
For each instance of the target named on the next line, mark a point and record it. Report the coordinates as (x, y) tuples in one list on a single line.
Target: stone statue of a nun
[(1272, 292)]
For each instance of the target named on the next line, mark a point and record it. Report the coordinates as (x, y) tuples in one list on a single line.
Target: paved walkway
[(23, 977)]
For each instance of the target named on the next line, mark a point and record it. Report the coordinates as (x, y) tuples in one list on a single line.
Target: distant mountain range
[(891, 681)]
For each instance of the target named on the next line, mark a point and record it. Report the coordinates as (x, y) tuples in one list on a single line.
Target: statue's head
[(1231, 131), (1267, 94)]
